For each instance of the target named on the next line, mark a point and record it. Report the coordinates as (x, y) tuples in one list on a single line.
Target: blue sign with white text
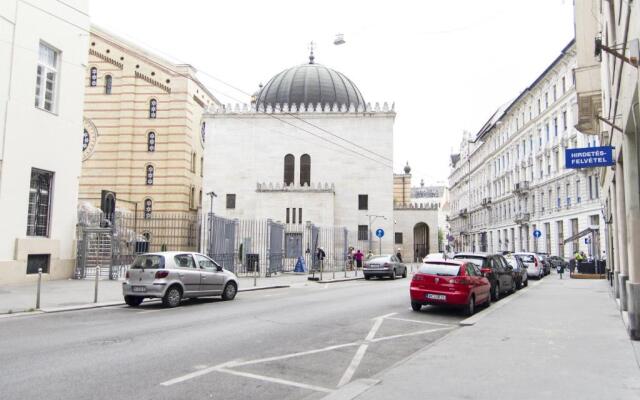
[(589, 157), (379, 233)]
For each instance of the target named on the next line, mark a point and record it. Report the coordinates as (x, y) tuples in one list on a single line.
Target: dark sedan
[(496, 269), (519, 270)]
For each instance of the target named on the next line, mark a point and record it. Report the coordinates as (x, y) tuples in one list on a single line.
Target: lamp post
[(211, 194), (370, 222)]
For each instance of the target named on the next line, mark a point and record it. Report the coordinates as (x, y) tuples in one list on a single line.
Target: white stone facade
[(45, 39), (244, 156), (510, 179)]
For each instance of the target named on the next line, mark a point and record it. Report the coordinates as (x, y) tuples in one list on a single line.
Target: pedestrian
[(369, 254), (358, 256), (399, 255), (561, 269), (350, 259)]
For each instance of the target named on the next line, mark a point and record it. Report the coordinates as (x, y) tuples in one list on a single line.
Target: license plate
[(432, 296), (139, 289)]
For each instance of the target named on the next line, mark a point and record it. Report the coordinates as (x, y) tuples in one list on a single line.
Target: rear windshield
[(148, 261), (439, 269), (528, 258), (512, 261), (382, 259), (480, 261)]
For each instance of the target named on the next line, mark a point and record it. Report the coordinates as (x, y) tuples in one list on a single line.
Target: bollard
[(333, 270), (38, 290), (95, 293), (321, 268), (345, 269), (255, 275)]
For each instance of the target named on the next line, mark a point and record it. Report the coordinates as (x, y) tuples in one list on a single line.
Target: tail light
[(126, 275), (387, 265), (535, 262), (418, 277), (162, 274), (485, 271), (460, 280)]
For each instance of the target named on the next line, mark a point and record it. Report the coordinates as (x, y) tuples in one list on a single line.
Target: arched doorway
[(420, 241)]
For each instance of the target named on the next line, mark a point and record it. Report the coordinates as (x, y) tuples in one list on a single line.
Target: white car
[(535, 268), (437, 256)]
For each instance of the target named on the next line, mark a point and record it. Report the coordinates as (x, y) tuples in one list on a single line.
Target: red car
[(450, 282)]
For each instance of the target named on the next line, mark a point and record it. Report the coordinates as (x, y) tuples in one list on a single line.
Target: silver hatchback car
[(174, 275)]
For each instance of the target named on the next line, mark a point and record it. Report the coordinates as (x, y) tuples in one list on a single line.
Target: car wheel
[(518, 285), (471, 306), (393, 274), (404, 274), (230, 291), (416, 306), (526, 282), (172, 297), (496, 292), (133, 301), (367, 277)]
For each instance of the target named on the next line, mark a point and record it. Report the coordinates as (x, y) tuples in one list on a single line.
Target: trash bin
[(252, 262)]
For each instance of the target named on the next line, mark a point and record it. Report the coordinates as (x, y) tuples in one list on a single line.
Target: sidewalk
[(71, 293), (560, 339)]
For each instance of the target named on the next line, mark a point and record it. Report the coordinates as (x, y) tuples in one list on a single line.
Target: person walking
[(399, 255), (358, 257), (561, 270)]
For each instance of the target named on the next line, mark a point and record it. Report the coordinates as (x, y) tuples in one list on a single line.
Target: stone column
[(632, 206), (621, 232), (614, 256)]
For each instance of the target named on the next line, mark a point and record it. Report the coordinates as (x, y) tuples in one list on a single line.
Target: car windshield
[(380, 259), (528, 258), (441, 269), (150, 261), (512, 262)]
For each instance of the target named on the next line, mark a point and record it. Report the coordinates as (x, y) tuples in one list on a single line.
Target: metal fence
[(112, 241), (266, 247)]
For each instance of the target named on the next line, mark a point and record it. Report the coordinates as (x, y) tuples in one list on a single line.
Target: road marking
[(195, 374), (420, 322), (302, 353), (357, 358), (276, 380), (380, 339)]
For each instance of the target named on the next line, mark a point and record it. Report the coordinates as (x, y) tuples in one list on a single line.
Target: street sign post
[(380, 234), (589, 157)]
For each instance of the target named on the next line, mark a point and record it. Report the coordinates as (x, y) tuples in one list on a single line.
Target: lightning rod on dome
[(311, 56)]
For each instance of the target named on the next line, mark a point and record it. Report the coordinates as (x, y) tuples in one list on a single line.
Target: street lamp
[(370, 222), (211, 194)]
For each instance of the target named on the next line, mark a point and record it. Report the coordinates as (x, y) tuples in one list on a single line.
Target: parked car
[(384, 265), (434, 256), (449, 282), (519, 270), (545, 262), (557, 261), (172, 276), (535, 267), (496, 269)]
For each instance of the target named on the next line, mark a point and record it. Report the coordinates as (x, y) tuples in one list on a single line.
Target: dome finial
[(407, 168), (311, 56)]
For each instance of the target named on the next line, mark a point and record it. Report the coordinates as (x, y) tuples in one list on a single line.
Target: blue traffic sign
[(588, 157), (379, 233), (537, 233)]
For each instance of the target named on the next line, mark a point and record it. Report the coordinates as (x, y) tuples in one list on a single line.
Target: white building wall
[(405, 222), (34, 138), (247, 148)]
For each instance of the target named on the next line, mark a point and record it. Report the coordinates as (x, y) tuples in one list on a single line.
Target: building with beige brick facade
[(143, 134)]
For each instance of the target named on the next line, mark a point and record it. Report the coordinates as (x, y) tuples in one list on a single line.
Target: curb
[(112, 304), (357, 278)]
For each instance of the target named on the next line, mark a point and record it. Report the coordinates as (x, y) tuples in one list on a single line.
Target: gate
[(276, 247), (222, 241), (313, 247), (95, 249)]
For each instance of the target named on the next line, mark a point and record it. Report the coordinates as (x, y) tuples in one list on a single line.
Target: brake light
[(162, 274), (485, 271), (126, 275), (418, 277), (535, 261), (460, 280), (386, 264)]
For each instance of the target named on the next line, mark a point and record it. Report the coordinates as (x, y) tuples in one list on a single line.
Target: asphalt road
[(300, 342)]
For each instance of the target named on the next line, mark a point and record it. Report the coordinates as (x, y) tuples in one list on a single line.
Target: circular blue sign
[(537, 233), (379, 233)]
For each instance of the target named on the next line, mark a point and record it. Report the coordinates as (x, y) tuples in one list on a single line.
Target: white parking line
[(283, 357), (419, 322), (380, 339), (277, 380)]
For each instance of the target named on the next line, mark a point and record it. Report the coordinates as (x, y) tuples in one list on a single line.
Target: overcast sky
[(448, 65)]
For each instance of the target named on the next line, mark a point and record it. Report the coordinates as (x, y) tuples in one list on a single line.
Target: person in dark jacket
[(561, 270), (358, 256), (399, 255)]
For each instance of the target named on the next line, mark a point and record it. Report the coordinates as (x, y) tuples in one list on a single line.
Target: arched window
[(200, 199), (151, 141), (93, 76), (201, 166), (203, 128), (153, 108), (107, 84), (150, 172), (193, 162), (289, 169), (192, 198), (148, 208), (305, 170)]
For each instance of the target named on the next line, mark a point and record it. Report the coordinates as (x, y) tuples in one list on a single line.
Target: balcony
[(522, 218), (521, 188), (463, 213), (486, 202)]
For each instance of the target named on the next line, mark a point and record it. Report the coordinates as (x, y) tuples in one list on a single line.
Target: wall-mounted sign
[(589, 157)]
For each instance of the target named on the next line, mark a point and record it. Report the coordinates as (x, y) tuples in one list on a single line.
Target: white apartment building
[(509, 180), (43, 53)]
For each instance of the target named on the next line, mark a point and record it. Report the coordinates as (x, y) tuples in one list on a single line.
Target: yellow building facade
[(143, 137)]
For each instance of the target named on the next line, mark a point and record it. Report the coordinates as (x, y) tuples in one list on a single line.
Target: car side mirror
[(219, 268)]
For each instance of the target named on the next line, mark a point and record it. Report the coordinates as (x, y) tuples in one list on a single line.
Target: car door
[(507, 275), (188, 274), (211, 280), (498, 270)]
